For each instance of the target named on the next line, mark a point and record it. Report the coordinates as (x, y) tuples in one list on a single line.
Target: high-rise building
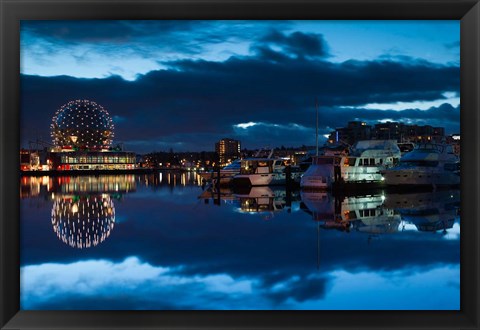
[(227, 150)]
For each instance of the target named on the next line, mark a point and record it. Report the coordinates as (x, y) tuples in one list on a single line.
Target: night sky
[(186, 84)]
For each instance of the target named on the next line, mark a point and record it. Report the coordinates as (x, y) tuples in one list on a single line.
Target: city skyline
[(183, 85)]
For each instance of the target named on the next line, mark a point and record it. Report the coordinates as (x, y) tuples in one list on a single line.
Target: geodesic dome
[(82, 124)]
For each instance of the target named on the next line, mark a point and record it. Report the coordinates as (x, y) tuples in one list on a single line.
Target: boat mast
[(316, 128)]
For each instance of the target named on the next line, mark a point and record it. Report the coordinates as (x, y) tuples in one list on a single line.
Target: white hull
[(313, 182), (363, 165), (226, 174), (322, 177)]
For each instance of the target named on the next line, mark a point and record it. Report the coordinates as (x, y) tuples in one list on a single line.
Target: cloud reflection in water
[(133, 284)]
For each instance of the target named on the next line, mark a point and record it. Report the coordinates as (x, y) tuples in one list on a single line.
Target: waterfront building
[(409, 133), (92, 160), (388, 131), (227, 150), (357, 131), (82, 132)]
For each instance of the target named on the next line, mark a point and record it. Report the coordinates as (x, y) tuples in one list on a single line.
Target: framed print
[(239, 164)]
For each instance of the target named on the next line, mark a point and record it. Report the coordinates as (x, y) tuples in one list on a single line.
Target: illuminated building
[(83, 221), (82, 124), (227, 150), (408, 133), (24, 160), (82, 133), (357, 131)]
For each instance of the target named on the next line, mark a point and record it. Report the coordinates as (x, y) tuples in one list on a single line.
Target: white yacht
[(362, 165), (264, 172), (226, 173), (427, 164)]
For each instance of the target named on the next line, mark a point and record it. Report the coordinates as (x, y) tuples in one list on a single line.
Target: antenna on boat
[(316, 128)]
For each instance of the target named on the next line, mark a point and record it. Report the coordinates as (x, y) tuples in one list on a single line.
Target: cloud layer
[(195, 103)]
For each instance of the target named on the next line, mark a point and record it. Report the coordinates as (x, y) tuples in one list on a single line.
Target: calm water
[(161, 242)]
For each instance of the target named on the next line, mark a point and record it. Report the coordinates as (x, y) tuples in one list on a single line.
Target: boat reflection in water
[(253, 199), (428, 211), (362, 213), (383, 212), (262, 199)]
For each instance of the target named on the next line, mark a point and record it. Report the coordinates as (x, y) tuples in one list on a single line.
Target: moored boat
[(265, 172), (362, 165), (428, 164), (225, 175)]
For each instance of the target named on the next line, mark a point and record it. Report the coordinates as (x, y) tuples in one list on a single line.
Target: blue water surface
[(162, 242)]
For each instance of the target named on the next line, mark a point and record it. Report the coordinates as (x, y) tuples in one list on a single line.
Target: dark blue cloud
[(194, 102), (298, 44), (115, 31)]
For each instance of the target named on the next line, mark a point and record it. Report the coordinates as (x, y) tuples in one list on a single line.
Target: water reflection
[(164, 236), (31, 186), (363, 213), (383, 212), (428, 211), (379, 212), (171, 179), (83, 221)]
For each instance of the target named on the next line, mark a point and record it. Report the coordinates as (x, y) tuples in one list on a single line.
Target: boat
[(363, 164), (265, 172), (226, 173), (428, 164)]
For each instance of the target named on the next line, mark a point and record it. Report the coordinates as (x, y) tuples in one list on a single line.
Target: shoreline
[(98, 172)]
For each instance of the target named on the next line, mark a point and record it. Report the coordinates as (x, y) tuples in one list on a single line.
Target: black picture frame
[(13, 11)]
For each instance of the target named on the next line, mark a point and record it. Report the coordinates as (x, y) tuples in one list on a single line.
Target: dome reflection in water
[(83, 221)]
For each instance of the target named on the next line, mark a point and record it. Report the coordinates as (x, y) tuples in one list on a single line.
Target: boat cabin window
[(366, 162), (278, 163), (349, 161), (367, 213)]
